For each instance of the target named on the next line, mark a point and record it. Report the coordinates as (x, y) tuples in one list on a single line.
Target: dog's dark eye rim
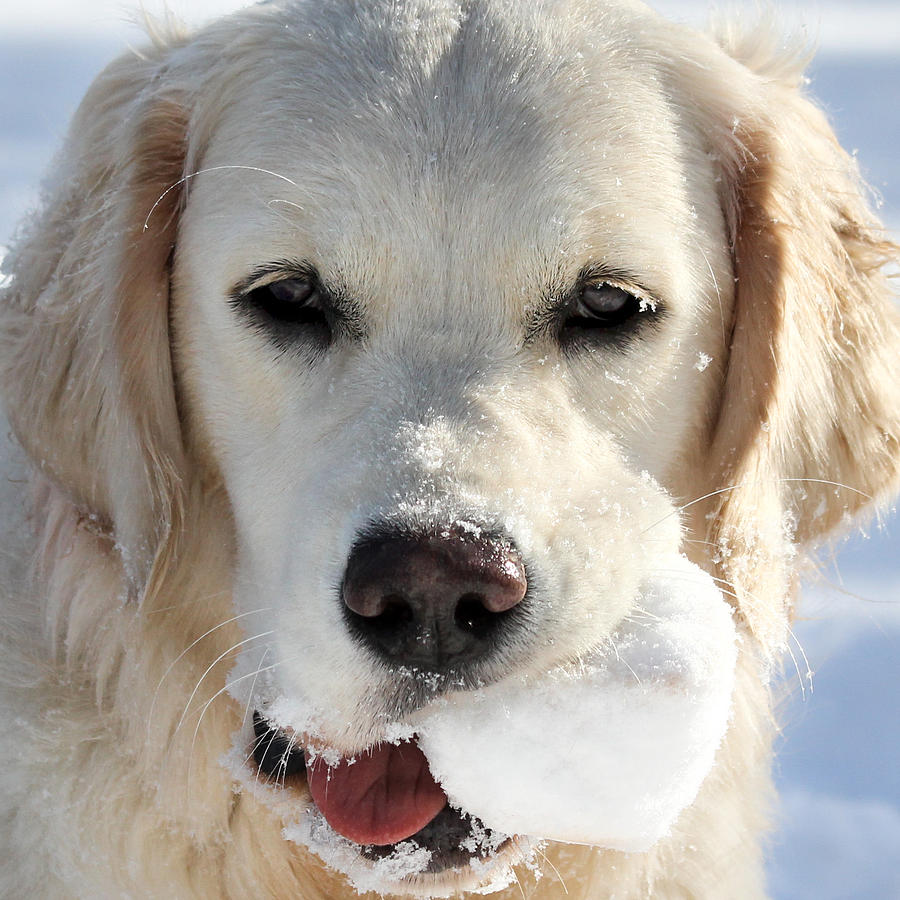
[(287, 298), (604, 304), (601, 308), (290, 301)]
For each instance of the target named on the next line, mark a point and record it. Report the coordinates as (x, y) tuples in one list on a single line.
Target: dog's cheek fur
[(808, 423), (88, 388)]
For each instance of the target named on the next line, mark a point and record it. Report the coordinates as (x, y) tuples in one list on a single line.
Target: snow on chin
[(407, 861), (609, 751), (341, 854)]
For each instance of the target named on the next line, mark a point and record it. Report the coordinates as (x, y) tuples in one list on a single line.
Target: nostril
[(472, 615), (389, 625), (395, 613)]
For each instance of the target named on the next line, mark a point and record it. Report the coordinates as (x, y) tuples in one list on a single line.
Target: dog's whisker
[(715, 281), (740, 596), (293, 742), (271, 735), (727, 583), (853, 595), (690, 503), (203, 711), (212, 665), (600, 204), (698, 542), (752, 483), (181, 604), (519, 883), (185, 178), (639, 610), (247, 707), (280, 775), (805, 678), (624, 662), (727, 588), (255, 744), (255, 673), (790, 653), (186, 651), (285, 203), (224, 689), (556, 871), (278, 778), (271, 206)]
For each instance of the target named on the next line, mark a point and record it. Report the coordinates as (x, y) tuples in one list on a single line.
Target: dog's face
[(454, 326), (467, 311), (498, 320)]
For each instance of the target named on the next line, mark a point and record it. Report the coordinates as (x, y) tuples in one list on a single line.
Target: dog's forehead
[(442, 146)]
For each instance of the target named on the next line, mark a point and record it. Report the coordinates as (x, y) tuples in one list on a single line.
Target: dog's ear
[(86, 368), (807, 431)]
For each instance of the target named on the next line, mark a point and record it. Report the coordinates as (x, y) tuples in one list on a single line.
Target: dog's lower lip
[(445, 837), (278, 755)]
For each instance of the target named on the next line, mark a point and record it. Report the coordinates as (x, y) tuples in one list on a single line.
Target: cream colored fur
[(187, 491)]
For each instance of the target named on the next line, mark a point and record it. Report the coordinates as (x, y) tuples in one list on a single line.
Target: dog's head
[(444, 330)]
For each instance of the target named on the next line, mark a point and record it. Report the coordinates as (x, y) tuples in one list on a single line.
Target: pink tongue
[(383, 797)]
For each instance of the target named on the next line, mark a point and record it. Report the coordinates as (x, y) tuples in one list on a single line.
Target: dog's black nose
[(433, 603)]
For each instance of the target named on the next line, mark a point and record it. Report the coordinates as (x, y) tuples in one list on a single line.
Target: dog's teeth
[(274, 752)]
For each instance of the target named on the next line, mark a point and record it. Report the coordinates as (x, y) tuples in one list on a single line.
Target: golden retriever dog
[(367, 353)]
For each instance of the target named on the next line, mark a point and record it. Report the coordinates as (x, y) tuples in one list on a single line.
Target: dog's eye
[(603, 305), (601, 311), (292, 301)]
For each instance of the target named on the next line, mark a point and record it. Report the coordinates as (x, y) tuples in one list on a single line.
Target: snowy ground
[(839, 834)]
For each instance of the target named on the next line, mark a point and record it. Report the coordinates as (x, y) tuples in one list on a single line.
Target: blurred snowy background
[(838, 833)]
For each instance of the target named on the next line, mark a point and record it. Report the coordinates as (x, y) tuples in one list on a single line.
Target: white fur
[(193, 493)]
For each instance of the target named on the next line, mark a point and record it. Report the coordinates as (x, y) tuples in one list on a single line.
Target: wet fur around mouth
[(453, 838)]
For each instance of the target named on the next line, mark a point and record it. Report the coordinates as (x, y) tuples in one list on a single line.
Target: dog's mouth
[(379, 799)]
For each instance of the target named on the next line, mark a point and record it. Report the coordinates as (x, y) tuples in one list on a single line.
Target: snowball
[(607, 751)]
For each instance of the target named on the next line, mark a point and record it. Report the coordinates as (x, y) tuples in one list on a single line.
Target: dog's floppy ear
[(86, 369), (807, 430)]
